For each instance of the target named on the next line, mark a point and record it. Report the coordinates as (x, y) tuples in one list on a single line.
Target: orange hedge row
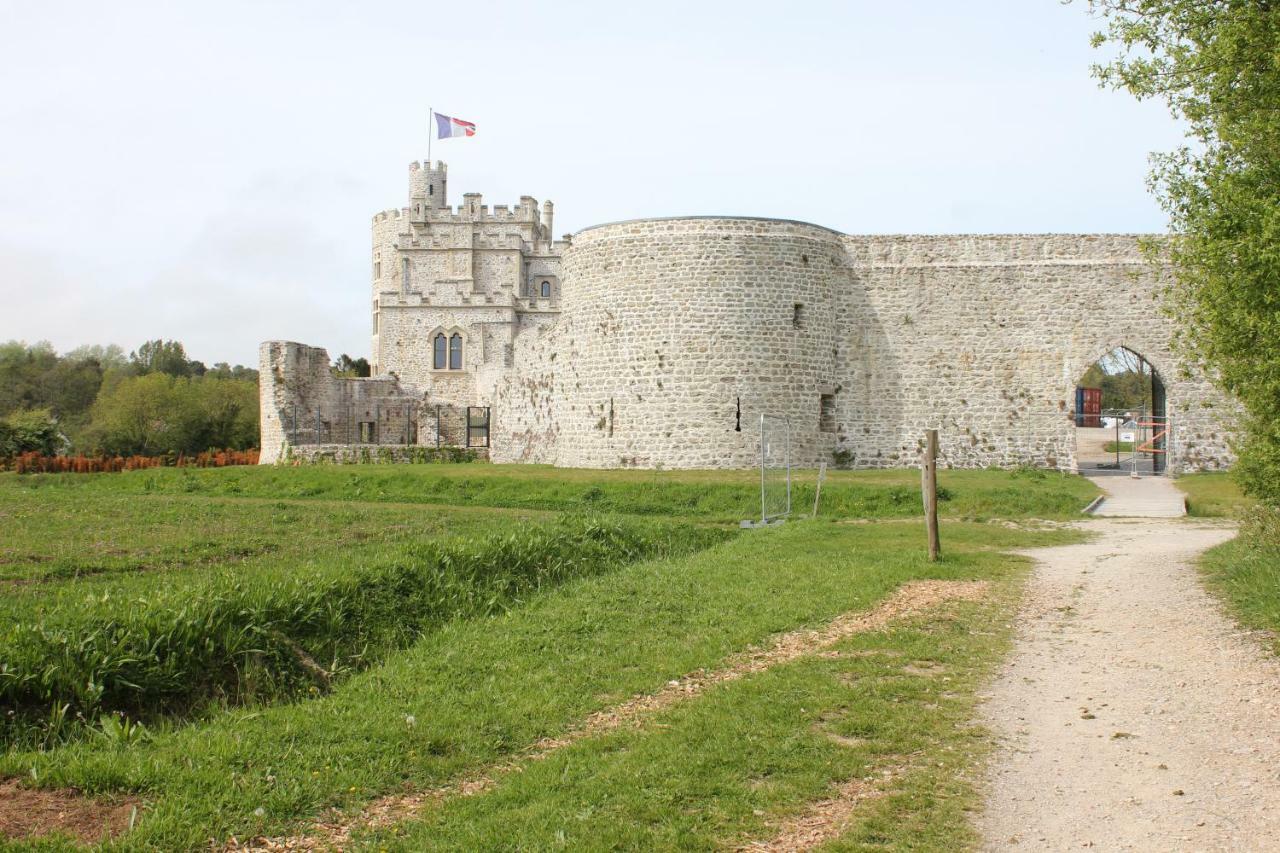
[(38, 463)]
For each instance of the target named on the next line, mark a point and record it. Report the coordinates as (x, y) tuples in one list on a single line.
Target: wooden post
[(929, 485)]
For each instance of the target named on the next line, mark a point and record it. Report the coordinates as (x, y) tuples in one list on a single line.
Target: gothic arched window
[(438, 355), (546, 290), (455, 352)]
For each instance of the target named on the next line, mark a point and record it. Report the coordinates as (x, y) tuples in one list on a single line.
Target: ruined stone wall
[(303, 403)]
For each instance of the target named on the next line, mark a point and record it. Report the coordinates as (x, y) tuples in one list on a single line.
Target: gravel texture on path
[(1133, 714)]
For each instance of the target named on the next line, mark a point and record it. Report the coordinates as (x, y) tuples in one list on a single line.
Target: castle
[(660, 342)]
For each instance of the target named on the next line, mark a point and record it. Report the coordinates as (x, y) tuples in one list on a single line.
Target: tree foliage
[(30, 430), (160, 356), (348, 366), (1216, 63), (1124, 378), (155, 414), (93, 398)]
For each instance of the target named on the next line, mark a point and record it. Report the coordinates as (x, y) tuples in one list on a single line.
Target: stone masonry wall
[(303, 403), (677, 332), (675, 336), (662, 341), (985, 337)]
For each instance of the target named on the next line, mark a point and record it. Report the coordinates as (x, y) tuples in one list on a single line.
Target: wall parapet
[(915, 250)]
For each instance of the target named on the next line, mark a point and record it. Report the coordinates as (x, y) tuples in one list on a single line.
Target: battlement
[(475, 210), (440, 166)]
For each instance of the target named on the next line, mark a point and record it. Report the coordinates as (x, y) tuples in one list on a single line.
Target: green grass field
[(725, 496), (1213, 495), (453, 616)]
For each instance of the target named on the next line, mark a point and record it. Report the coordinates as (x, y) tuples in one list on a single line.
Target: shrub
[(40, 463)]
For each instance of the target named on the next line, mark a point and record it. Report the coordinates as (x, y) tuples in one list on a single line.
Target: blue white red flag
[(447, 126)]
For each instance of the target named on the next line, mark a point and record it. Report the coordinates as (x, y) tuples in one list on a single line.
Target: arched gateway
[(661, 337)]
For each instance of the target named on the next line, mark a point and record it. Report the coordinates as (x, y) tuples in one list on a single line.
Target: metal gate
[(477, 426), (1138, 443), (461, 426)]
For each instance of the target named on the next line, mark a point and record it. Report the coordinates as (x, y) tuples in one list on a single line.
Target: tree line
[(97, 400)]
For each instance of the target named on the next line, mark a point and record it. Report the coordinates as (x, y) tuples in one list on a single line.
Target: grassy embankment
[(1244, 572), (161, 607), (480, 685)]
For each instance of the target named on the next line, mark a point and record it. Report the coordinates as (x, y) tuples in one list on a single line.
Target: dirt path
[(909, 600), (1133, 715)]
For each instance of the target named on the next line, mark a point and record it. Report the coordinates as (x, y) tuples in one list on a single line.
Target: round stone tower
[(684, 331)]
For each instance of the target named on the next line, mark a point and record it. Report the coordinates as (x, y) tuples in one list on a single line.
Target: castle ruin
[(659, 342)]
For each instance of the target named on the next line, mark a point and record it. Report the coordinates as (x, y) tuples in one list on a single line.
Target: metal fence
[(775, 468), (388, 424)]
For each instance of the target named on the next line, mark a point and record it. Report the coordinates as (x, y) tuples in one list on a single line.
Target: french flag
[(448, 126)]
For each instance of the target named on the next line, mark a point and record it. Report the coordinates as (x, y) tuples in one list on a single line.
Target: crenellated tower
[(452, 287), (428, 186)]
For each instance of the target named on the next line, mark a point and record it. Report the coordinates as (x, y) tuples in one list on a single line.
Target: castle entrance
[(1120, 418)]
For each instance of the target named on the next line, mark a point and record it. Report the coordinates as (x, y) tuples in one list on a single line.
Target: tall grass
[(720, 495), (238, 638), (1246, 571)]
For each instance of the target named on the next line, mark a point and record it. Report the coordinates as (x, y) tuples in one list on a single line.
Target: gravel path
[(1133, 715), (1145, 497)]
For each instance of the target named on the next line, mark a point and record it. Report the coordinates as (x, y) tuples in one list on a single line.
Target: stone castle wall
[(661, 342), (985, 337), (676, 335)]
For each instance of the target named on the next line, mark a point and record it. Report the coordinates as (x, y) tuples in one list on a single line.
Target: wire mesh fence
[(388, 424), (775, 468)]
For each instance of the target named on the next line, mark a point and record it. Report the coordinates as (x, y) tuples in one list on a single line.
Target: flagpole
[(431, 120)]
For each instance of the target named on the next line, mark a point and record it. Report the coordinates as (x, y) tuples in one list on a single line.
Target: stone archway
[(1120, 417)]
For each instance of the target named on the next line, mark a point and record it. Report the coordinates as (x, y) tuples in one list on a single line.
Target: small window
[(431, 189), (827, 413), (404, 273), (797, 315), (455, 352), (377, 322), (377, 269), (438, 356), (546, 290), (368, 432)]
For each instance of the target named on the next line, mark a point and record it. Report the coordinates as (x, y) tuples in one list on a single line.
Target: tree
[(145, 415), (222, 370), (159, 414), (348, 366), (109, 357), (228, 410), (30, 430), (160, 356), (22, 371), (1216, 63)]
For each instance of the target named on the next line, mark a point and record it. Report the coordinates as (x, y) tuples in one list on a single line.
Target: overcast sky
[(207, 171)]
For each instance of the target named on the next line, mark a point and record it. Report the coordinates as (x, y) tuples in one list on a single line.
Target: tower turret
[(428, 185)]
